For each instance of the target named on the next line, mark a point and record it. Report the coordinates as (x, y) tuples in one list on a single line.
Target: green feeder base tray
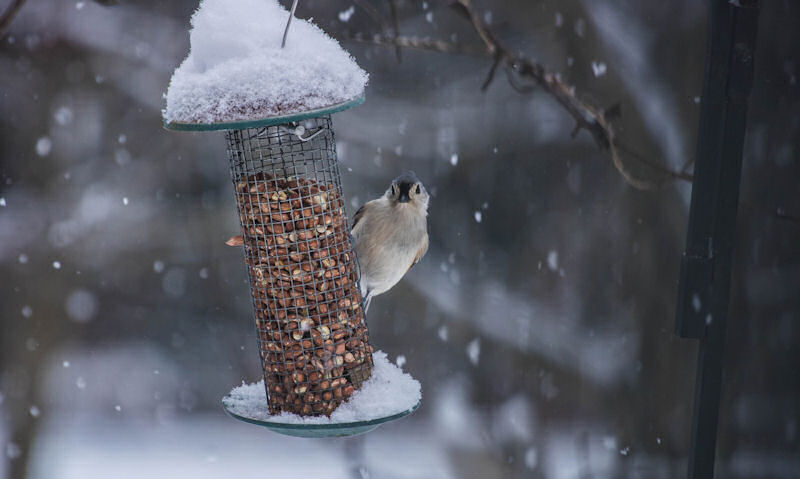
[(321, 430)]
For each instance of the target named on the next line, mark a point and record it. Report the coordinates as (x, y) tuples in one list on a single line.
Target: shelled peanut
[(314, 342)]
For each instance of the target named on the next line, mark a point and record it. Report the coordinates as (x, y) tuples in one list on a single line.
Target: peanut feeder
[(304, 277)]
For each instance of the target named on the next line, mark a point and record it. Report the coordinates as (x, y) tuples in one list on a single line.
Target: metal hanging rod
[(288, 22)]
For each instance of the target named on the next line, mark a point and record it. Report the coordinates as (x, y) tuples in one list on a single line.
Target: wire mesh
[(312, 333)]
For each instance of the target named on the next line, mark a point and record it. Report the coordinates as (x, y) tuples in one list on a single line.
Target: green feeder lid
[(321, 430), (268, 121)]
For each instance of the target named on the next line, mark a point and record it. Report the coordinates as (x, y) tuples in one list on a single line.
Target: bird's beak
[(404, 190)]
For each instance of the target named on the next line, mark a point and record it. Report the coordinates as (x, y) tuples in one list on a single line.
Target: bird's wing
[(422, 250), (357, 216)]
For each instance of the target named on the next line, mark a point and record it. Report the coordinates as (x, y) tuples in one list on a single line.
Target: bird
[(390, 235)]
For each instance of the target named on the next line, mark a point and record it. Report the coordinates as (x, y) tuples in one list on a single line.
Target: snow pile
[(388, 391), (236, 69)]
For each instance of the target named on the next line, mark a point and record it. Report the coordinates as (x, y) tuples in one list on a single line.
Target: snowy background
[(539, 324)]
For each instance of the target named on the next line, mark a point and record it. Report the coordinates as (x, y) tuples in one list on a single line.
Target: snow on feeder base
[(387, 395), (274, 104)]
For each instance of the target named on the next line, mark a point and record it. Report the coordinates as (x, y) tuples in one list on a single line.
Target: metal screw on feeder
[(304, 277)]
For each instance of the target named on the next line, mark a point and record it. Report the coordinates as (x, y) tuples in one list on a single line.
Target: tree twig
[(417, 43), (490, 76), (587, 117), (9, 13)]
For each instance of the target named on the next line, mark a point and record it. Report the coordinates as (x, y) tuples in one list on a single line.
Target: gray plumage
[(391, 235)]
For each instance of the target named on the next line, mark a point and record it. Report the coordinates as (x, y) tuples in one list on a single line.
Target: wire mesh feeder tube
[(312, 333)]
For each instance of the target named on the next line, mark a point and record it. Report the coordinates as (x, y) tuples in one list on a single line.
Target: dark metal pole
[(704, 291)]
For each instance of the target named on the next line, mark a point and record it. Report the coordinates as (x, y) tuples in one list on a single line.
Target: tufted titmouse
[(391, 235)]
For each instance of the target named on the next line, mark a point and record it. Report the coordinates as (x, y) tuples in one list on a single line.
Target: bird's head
[(407, 188)]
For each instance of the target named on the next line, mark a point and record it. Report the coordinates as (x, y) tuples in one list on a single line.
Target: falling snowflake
[(443, 333), (13, 451), (609, 442), (43, 146), (454, 159), (125, 200), (27, 311), (401, 360), (158, 266), (80, 382), (57, 264), (344, 16), (599, 69), (474, 351), (580, 27), (531, 458), (122, 156), (81, 305), (478, 216), (34, 411), (696, 304), (552, 260), (63, 116)]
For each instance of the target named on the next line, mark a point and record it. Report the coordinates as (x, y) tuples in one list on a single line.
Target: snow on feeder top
[(238, 75), (275, 105)]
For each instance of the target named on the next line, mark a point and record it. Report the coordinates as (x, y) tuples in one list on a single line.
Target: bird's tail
[(367, 301)]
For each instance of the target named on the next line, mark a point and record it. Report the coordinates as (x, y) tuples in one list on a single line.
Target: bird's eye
[(418, 190), (394, 190)]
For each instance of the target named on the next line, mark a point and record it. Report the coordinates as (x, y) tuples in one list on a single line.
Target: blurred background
[(540, 322)]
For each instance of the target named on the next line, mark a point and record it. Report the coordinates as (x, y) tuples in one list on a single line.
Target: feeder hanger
[(288, 22)]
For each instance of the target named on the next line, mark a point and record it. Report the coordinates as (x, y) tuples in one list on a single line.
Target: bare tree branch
[(518, 69), (587, 117), (490, 76), (417, 43), (9, 13)]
